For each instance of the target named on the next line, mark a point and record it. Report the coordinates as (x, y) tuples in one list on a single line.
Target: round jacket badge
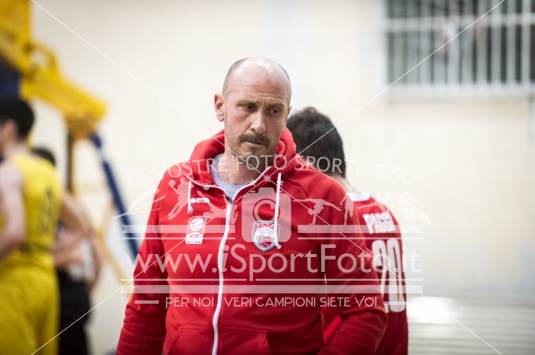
[(264, 235)]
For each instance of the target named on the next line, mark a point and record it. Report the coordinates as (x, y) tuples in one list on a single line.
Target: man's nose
[(258, 123)]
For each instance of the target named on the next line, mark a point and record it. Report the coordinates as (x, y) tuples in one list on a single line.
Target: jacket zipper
[(222, 243)]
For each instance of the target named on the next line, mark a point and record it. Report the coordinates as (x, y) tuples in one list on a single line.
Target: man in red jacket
[(245, 242), (319, 141)]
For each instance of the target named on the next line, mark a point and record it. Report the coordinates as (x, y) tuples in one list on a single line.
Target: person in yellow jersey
[(31, 205), (78, 260)]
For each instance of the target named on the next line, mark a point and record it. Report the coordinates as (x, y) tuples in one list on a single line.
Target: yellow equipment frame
[(39, 71)]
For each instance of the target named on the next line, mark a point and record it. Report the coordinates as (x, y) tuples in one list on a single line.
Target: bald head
[(252, 68)]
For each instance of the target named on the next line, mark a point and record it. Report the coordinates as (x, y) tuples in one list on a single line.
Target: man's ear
[(288, 115), (218, 107)]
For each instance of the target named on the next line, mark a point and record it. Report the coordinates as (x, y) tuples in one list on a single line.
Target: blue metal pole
[(117, 199)]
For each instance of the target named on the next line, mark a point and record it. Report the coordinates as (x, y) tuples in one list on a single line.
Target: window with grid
[(494, 55)]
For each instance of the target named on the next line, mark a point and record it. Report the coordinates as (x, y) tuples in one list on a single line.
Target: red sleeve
[(143, 329), (358, 333), (363, 322)]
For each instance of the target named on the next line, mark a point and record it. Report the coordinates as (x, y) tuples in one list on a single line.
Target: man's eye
[(274, 111), (249, 107)]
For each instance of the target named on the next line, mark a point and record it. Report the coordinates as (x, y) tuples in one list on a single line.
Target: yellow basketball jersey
[(42, 202)]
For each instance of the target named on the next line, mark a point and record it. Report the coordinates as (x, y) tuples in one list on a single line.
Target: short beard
[(255, 162)]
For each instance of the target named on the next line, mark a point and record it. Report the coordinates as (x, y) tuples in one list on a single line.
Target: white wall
[(466, 165)]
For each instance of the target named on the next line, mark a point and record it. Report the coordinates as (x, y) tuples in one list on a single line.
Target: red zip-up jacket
[(383, 237), (290, 219)]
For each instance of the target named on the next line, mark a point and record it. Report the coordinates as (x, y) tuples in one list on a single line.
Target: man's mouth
[(255, 142)]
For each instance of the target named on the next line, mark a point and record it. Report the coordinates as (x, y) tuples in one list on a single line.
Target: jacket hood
[(208, 149)]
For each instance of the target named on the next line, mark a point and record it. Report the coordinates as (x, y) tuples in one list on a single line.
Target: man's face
[(254, 110)]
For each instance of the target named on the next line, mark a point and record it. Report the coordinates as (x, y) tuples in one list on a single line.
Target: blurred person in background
[(30, 197), (31, 205), (78, 261), (319, 142)]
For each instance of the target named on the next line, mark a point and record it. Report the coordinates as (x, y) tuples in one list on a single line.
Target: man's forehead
[(255, 90), (258, 92), (256, 81), (272, 99)]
